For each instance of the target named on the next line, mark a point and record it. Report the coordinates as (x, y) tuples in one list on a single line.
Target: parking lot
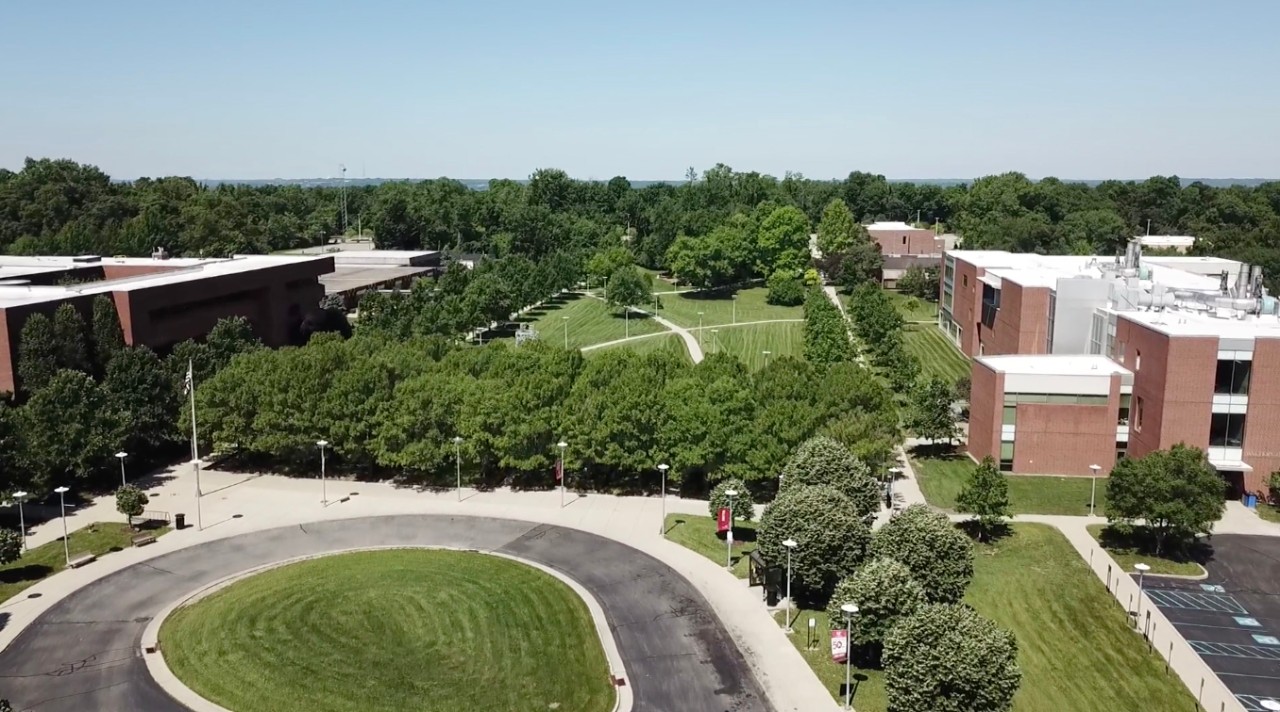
[(1232, 618)]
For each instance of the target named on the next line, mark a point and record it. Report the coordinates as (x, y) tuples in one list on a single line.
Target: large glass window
[(1137, 413), (1006, 457), (1125, 401), (1226, 430), (1232, 377), (1010, 415), (1053, 306)]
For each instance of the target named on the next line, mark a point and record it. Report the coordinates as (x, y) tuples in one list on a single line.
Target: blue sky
[(907, 88)]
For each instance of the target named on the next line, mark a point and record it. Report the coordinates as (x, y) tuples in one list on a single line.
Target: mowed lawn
[(699, 534), (942, 476), (1075, 646), (669, 342), (48, 559), (913, 308), (385, 631), (748, 343), (590, 321), (1131, 547), (937, 356), (718, 307)]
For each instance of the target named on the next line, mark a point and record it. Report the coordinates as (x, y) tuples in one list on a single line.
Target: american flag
[(189, 382)]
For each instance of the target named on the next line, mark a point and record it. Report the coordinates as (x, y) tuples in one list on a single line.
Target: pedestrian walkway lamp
[(66, 543), (735, 308), (766, 357), (1142, 569), (728, 534), (122, 455), (715, 341), (21, 496), (699, 328), (457, 462), (662, 525), (566, 332), (324, 490), (849, 611), (790, 544), (1093, 486), (562, 445)]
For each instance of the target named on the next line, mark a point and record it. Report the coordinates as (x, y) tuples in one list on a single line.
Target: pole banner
[(839, 645), (722, 520)]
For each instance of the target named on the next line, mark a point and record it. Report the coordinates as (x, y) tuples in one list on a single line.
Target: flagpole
[(195, 448)]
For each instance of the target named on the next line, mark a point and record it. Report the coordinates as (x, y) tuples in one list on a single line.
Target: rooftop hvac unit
[(159, 254)]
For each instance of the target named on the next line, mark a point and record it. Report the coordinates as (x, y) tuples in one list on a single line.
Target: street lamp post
[(790, 544), (562, 445), (457, 462), (324, 490), (849, 611), (728, 535), (662, 524), (1093, 486), (715, 341), (1142, 569), (735, 309), (699, 328), (766, 357), (21, 496), (66, 543), (122, 455), (566, 332)]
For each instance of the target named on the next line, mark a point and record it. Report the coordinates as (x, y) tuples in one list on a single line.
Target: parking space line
[(1233, 650), (1211, 602)]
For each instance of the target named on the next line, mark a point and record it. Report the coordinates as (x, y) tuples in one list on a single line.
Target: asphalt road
[(83, 654)]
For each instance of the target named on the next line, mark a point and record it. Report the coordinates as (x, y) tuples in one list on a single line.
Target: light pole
[(766, 357), (790, 544), (21, 496), (699, 328), (122, 455), (662, 525), (562, 445), (66, 543), (1093, 486), (457, 462), (324, 490), (566, 332), (735, 308), (1142, 569), (728, 535), (849, 611), (715, 341)]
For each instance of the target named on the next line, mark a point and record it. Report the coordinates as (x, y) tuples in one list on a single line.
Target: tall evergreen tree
[(108, 338), (69, 331), (37, 352)]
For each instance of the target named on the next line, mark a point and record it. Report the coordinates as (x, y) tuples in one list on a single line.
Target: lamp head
[(1141, 567), (61, 490), (664, 467), (731, 493), (790, 543), (562, 444), (457, 439), (322, 443), (122, 454), (20, 494), (849, 609)]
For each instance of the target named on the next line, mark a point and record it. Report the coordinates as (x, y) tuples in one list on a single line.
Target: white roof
[(1031, 270), (1054, 365), (1183, 321), (895, 225), (1166, 240)]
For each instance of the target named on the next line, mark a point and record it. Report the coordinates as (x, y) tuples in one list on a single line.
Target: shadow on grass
[(22, 574), (1140, 540), (937, 451), (711, 295), (990, 535)]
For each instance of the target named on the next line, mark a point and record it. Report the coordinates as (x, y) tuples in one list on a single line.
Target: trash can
[(179, 521), (1251, 501)]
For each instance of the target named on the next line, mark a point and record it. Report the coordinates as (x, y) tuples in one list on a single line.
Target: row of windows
[(1232, 377), (1056, 398)]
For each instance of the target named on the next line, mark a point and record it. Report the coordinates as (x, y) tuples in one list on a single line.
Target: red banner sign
[(722, 520), (839, 645)]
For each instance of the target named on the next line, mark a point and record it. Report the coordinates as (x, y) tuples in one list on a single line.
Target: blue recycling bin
[(1251, 501)]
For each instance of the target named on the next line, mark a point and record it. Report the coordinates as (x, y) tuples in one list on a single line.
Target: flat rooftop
[(1054, 365), (893, 225), (177, 270), (1031, 270), (1184, 321), (345, 278)]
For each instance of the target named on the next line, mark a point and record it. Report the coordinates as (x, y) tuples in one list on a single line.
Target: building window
[(1095, 335), (1006, 457), (1137, 360), (1137, 413), (1226, 430), (904, 239), (1125, 401), (1053, 305), (1122, 450), (1232, 377), (1010, 415)]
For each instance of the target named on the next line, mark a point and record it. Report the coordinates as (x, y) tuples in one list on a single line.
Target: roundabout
[(86, 651), (388, 630)]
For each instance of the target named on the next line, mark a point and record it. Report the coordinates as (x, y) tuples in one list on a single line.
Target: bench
[(143, 539), (81, 559)]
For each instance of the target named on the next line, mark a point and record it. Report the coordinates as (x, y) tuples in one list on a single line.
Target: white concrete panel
[(1099, 385)]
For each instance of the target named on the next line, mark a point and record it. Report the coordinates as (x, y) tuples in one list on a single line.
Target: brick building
[(905, 246), (161, 302), (1188, 349)]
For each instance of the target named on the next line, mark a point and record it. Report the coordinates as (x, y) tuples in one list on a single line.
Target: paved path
[(615, 342), (690, 342), (85, 637)]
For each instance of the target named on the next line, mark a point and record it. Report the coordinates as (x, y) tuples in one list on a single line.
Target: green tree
[(838, 230), (920, 282), (67, 429), (823, 461), (785, 289), (130, 501), (37, 352), (69, 330), (108, 339), (629, 287), (603, 263), (947, 658), (930, 414), (1176, 493), (783, 241), (145, 401), (831, 539), (744, 505), (986, 495), (884, 592), (10, 546), (1273, 488), (230, 337), (940, 556)]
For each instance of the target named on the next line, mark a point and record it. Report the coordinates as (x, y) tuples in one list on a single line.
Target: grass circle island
[(403, 629)]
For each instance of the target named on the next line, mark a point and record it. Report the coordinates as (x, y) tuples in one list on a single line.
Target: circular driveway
[(84, 653)]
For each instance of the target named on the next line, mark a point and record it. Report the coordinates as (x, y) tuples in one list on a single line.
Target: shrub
[(10, 546), (744, 506), (939, 556), (884, 592), (785, 289), (831, 539), (130, 501), (821, 460), (1273, 487), (947, 658)]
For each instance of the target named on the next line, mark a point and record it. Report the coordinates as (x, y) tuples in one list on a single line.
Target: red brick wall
[(1175, 382), (986, 406), (966, 308), (111, 271), (1262, 426), (904, 242), (1065, 439)]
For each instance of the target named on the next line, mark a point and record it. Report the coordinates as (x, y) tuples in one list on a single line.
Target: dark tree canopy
[(1176, 493)]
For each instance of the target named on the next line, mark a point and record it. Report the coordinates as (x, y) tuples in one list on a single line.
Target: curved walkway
[(82, 654), (709, 327), (690, 342)]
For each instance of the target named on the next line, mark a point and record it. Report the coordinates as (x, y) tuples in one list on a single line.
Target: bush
[(10, 546), (831, 539), (744, 506), (130, 501), (947, 658), (785, 289), (884, 592), (939, 556), (823, 461), (1273, 487)]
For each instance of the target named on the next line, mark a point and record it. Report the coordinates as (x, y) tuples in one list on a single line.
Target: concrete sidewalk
[(236, 503)]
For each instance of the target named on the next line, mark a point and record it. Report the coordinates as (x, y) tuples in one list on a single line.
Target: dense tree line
[(733, 223), (878, 325), (826, 332)]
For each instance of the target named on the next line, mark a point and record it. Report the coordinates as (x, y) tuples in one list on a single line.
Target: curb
[(159, 670)]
